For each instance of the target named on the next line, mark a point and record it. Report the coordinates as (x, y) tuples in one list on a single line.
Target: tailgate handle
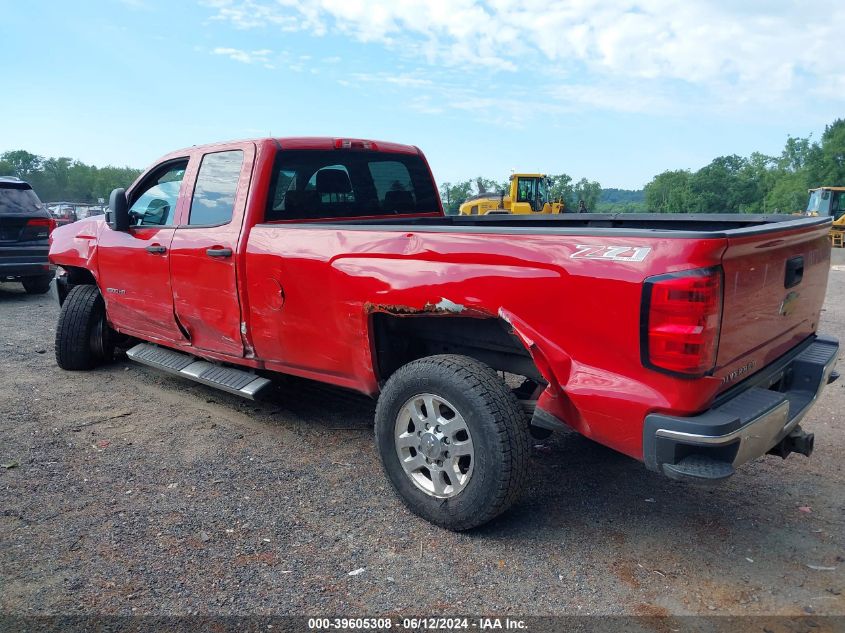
[(794, 271)]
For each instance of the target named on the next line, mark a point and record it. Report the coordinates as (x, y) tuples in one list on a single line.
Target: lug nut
[(437, 429), (445, 440), (427, 426)]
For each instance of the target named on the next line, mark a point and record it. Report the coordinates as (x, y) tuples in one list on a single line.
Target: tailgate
[(774, 287)]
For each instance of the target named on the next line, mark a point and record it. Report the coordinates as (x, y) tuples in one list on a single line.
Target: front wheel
[(453, 440), (83, 336)]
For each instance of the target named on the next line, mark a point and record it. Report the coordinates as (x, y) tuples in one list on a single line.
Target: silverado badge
[(738, 372)]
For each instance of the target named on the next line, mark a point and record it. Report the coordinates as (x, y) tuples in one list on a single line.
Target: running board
[(236, 381)]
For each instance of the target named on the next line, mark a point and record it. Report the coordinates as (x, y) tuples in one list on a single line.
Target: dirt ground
[(135, 492)]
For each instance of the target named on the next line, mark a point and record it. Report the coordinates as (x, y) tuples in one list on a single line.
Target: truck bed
[(560, 274), (693, 225)]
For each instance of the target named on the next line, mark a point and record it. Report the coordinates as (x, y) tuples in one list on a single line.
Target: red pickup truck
[(688, 342)]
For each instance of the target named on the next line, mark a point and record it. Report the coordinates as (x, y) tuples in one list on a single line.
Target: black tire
[(83, 336), (496, 424), (37, 285)]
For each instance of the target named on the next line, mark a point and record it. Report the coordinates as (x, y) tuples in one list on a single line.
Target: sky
[(614, 91)]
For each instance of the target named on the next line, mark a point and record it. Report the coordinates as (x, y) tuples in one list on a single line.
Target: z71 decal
[(611, 253)]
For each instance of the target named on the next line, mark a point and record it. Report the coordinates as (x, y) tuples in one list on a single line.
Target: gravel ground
[(140, 493)]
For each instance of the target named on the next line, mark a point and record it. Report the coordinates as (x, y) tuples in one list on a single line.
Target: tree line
[(65, 179), (562, 187), (756, 184), (728, 184)]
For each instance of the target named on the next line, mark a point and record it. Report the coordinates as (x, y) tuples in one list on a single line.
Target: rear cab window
[(325, 184)]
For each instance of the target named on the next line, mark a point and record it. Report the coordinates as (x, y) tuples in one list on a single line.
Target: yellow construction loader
[(829, 201), (528, 195)]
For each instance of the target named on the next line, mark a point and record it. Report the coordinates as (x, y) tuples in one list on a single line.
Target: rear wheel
[(83, 336), (453, 440), (37, 285)]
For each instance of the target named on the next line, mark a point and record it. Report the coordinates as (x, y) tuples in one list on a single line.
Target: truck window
[(819, 202), (526, 190), (156, 201), (213, 201), (390, 176), (317, 184), (838, 205)]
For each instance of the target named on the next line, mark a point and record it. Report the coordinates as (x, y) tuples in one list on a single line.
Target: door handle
[(218, 252), (156, 249), (794, 272)]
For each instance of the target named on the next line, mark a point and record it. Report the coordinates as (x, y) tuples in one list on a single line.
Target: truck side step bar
[(236, 381)]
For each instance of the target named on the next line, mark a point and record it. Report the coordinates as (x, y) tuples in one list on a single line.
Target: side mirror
[(117, 216)]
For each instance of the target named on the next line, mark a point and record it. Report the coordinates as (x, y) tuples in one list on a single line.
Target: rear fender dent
[(536, 344)]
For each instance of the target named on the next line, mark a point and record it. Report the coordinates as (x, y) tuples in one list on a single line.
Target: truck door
[(204, 258), (134, 265)]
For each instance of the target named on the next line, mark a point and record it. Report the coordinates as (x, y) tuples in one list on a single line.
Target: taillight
[(39, 228), (680, 321)]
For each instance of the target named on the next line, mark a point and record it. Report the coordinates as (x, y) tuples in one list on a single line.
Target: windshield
[(819, 202), (18, 200)]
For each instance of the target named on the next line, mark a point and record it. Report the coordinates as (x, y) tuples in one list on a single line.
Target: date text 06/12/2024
[(417, 624)]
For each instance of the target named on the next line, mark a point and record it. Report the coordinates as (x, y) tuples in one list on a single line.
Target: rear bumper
[(24, 261), (746, 422)]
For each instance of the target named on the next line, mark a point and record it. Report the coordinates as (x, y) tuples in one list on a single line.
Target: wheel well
[(73, 276), (79, 276), (399, 340)]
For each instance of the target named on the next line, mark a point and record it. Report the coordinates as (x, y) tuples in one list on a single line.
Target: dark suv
[(25, 227)]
